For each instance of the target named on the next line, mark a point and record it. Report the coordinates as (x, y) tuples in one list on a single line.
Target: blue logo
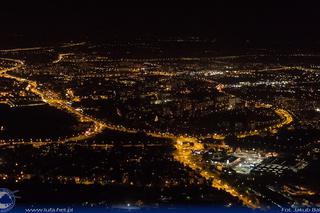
[(7, 200)]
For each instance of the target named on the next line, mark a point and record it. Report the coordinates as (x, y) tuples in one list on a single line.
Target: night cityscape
[(159, 109)]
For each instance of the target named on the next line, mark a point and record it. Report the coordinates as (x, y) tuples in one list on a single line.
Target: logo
[(7, 200)]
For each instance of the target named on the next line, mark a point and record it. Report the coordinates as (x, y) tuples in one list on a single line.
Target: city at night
[(159, 109)]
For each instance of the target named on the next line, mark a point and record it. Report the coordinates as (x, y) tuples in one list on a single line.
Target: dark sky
[(294, 23)]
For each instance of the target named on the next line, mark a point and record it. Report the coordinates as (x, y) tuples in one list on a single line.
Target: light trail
[(23, 49), (183, 154), (18, 64), (73, 44), (41, 48), (286, 119), (61, 56)]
